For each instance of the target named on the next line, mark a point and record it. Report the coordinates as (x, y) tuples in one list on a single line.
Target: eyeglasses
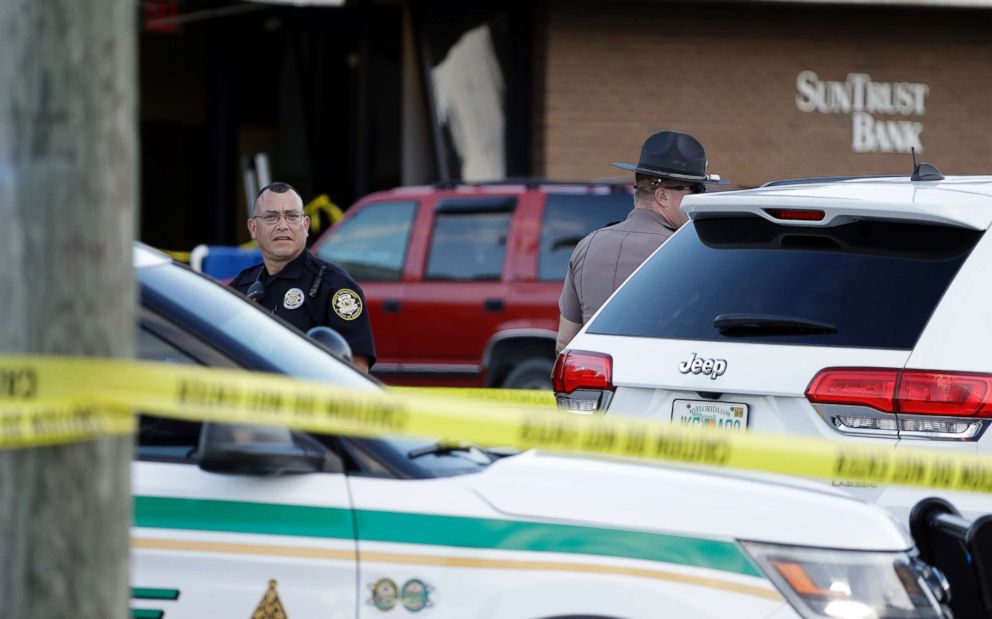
[(654, 184), (271, 219)]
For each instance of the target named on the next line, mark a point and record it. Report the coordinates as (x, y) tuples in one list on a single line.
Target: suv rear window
[(875, 282), (568, 218)]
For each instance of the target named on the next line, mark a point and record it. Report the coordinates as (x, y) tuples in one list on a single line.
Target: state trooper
[(672, 165), (294, 284)]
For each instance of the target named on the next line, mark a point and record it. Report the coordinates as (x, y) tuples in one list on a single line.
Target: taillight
[(580, 369), (583, 381), (944, 393), (855, 386), (906, 392), (793, 214)]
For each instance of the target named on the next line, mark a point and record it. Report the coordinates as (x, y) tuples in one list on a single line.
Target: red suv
[(462, 281)]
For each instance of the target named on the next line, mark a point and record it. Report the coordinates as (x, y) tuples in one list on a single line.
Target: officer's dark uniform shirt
[(295, 295)]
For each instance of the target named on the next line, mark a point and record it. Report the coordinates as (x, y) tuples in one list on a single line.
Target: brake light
[(581, 369), (855, 386), (945, 393), (795, 214), (907, 392)]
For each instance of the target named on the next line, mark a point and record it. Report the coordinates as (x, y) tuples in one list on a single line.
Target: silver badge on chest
[(293, 298)]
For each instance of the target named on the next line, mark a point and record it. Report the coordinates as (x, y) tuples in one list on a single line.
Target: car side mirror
[(332, 341), (261, 450)]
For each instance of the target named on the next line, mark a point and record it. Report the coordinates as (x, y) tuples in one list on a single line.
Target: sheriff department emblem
[(293, 298), (346, 304), (384, 594)]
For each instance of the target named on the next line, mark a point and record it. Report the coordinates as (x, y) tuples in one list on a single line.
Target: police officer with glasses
[(295, 285)]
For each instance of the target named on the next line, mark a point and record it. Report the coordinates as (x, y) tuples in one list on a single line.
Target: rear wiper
[(770, 324)]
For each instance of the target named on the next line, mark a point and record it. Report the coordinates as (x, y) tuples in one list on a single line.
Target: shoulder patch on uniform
[(346, 304), (293, 298)]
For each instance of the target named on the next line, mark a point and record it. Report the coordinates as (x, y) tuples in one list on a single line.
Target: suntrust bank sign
[(863, 99)]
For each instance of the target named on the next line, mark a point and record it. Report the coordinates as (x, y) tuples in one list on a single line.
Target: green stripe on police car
[(434, 530)]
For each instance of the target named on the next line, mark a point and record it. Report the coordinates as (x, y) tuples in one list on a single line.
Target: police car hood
[(616, 493)]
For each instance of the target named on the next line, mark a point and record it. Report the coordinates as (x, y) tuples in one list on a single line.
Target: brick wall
[(615, 72)]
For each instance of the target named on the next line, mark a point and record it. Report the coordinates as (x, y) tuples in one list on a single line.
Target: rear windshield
[(869, 284)]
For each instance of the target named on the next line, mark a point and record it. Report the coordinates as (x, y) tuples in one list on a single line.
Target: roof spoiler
[(922, 171)]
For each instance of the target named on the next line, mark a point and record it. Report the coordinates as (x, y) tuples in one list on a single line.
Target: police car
[(238, 521), (856, 309)]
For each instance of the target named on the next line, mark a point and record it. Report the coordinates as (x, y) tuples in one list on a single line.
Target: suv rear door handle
[(493, 305), (391, 305)]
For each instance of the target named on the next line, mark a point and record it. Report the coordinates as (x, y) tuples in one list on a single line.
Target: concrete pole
[(68, 197)]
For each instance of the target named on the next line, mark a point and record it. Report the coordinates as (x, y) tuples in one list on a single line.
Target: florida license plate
[(726, 415)]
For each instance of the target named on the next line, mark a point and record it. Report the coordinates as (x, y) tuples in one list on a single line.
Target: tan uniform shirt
[(605, 258)]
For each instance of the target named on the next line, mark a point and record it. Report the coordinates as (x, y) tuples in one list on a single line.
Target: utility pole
[(68, 199)]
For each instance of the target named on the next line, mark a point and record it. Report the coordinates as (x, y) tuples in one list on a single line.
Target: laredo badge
[(293, 298), (346, 304)]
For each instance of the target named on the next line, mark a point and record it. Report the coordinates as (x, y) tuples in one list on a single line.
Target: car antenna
[(924, 171)]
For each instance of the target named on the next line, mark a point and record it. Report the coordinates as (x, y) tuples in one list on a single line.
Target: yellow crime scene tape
[(181, 256), (322, 204), (529, 397), (47, 400)]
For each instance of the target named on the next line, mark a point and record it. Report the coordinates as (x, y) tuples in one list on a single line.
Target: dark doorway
[(315, 89)]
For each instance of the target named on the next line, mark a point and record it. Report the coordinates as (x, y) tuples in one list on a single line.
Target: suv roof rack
[(823, 179), (531, 182)]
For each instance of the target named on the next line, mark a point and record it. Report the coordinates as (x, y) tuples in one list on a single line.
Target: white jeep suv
[(850, 308)]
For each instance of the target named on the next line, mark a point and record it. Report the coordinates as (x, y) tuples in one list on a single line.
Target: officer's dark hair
[(276, 187)]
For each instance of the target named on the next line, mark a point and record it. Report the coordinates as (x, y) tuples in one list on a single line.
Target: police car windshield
[(242, 331), (257, 341)]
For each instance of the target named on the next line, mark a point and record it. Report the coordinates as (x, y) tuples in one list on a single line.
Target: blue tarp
[(223, 261)]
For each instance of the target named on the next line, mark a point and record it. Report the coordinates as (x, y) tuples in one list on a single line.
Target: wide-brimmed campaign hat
[(672, 154)]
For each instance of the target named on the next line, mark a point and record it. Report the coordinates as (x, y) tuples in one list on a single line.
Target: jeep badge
[(697, 365)]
